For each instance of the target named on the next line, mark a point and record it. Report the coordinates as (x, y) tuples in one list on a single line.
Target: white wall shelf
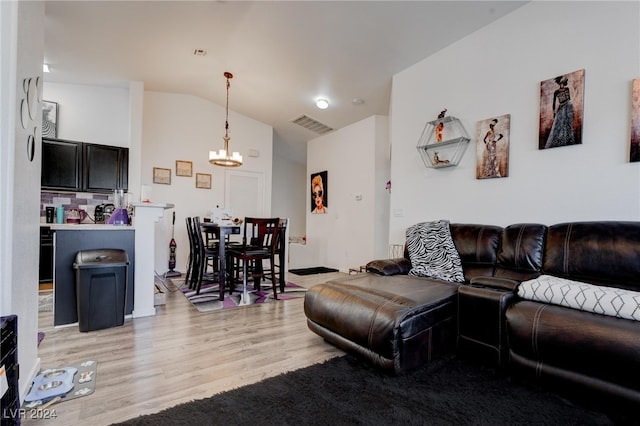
[(443, 142)]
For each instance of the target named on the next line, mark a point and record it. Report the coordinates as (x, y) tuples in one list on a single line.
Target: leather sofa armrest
[(495, 283), (399, 266)]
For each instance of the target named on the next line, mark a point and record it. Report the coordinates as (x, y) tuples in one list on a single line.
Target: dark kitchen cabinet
[(83, 167), (46, 254), (106, 168), (61, 165)]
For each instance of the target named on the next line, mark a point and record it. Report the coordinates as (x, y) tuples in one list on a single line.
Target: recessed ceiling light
[(322, 103), (45, 67), (357, 101)]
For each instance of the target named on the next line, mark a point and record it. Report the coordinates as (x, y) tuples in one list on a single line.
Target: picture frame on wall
[(203, 180), (319, 199), (634, 154), (561, 110), (492, 147), (162, 176), (184, 168), (49, 119)]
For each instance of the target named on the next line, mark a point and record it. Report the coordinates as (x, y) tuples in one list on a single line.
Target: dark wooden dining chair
[(258, 244), (281, 244), (192, 259), (206, 257)]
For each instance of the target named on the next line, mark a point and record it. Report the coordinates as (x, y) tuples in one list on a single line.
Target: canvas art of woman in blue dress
[(562, 129)]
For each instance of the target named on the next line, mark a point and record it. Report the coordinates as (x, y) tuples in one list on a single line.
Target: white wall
[(184, 127), (356, 159), (22, 44), (290, 194), (91, 114), (498, 70)]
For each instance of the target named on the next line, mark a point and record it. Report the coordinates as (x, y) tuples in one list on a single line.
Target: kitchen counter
[(69, 239), (86, 227)]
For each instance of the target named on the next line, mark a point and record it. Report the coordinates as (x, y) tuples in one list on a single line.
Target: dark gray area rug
[(346, 391)]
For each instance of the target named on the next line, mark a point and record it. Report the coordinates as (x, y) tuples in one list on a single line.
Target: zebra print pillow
[(432, 252)]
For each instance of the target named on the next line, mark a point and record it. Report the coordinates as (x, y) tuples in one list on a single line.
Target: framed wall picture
[(319, 199), (203, 180), (492, 147), (49, 119), (162, 176), (561, 110), (184, 168), (634, 155)]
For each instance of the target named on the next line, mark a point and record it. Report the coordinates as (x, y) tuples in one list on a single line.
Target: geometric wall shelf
[(443, 142)]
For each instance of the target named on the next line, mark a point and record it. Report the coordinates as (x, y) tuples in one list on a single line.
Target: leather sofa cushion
[(521, 251), (603, 253), (594, 348), (477, 247), (389, 266), (382, 313)]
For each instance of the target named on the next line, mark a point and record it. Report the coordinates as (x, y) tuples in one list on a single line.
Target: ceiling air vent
[(311, 124)]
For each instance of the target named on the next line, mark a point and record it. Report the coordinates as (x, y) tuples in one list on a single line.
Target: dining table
[(221, 232)]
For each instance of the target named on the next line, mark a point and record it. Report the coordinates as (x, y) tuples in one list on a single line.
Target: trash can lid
[(100, 258)]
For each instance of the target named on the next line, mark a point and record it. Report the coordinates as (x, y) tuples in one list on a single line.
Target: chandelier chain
[(223, 157), (226, 119)]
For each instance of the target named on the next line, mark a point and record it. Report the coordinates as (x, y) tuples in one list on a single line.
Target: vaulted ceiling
[(284, 54)]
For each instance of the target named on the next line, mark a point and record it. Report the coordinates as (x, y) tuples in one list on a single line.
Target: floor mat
[(82, 382), (208, 299), (311, 271)]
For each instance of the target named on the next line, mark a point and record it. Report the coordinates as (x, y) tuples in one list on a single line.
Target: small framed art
[(203, 180), (162, 176), (49, 119), (184, 168)]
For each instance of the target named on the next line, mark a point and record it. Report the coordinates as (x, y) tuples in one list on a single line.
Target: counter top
[(150, 204), (86, 227)]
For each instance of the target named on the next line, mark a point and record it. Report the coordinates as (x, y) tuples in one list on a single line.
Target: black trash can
[(101, 288)]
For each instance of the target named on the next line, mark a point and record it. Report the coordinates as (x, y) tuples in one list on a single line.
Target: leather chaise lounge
[(502, 313)]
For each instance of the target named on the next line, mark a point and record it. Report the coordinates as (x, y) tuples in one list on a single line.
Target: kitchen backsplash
[(72, 200)]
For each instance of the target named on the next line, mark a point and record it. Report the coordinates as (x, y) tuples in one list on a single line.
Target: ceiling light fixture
[(45, 67), (322, 103), (222, 157)]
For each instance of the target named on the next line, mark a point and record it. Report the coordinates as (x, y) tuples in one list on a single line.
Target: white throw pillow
[(615, 302), (432, 252)]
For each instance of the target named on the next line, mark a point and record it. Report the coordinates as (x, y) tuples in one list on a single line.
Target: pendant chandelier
[(222, 157)]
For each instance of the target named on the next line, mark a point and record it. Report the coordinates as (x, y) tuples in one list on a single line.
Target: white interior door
[(244, 193)]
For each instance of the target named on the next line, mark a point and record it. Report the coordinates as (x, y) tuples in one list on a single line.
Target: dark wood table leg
[(222, 262)]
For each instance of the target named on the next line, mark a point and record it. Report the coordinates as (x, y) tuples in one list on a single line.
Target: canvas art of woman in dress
[(493, 147), (561, 110), (562, 128)]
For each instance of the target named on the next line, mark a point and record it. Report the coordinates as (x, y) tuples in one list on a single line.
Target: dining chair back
[(191, 260), (259, 243), (280, 257), (206, 257)]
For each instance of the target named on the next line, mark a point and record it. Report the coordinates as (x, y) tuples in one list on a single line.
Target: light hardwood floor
[(178, 355)]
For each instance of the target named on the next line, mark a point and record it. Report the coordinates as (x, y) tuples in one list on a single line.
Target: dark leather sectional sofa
[(399, 322)]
